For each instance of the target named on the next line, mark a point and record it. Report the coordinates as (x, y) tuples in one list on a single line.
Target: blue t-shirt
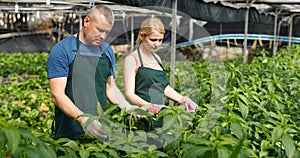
[(63, 54)]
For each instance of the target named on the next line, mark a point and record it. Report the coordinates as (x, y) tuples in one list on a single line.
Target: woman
[(145, 80)]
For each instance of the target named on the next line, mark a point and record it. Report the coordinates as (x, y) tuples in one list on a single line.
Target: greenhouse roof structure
[(274, 12), (185, 6)]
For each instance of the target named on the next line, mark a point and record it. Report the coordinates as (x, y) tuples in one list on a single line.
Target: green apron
[(150, 85), (86, 86)]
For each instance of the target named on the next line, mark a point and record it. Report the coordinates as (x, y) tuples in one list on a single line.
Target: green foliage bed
[(250, 110)]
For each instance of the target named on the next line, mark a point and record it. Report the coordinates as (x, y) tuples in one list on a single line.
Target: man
[(81, 76)]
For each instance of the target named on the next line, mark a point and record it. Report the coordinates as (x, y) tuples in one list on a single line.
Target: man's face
[(96, 30)]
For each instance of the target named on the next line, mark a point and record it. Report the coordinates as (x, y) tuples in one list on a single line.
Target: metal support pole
[(173, 45), (274, 35), (80, 20), (291, 29), (125, 30), (132, 34), (245, 50), (72, 24), (191, 29), (275, 32)]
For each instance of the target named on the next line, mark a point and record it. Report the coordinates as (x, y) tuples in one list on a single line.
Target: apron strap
[(142, 65), (78, 44), (158, 62), (140, 57)]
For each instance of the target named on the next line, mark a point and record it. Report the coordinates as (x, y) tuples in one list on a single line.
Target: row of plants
[(245, 110)]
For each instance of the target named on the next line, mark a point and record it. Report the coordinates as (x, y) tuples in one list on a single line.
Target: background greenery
[(255, 114)]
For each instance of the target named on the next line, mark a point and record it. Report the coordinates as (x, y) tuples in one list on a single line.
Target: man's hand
[(129, 108), (93, 129), (188, 103)]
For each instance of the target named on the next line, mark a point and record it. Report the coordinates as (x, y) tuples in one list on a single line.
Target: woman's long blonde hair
[(148, 26)]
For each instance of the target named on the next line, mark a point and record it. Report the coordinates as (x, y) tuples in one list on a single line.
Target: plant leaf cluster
[(255, 113)]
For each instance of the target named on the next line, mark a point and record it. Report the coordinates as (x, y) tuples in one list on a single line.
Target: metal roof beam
[(278, 1)]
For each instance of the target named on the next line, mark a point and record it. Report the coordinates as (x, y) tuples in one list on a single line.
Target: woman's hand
[(188, 103), (154, 108)]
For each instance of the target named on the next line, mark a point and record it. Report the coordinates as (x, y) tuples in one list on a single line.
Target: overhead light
[(48, 2), (38, 14), (16, 8), (120, 15), (92, 2)]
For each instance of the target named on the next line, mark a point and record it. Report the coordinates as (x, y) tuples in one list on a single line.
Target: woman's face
[(152, 41)]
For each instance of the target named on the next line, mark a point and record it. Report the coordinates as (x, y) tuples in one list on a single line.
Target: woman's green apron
[(86, 86), (150, 85)]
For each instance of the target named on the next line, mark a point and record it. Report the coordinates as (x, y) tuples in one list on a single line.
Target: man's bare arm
[(61, 100)]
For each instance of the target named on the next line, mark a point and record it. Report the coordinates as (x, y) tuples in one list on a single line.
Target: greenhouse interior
[(238, 60)]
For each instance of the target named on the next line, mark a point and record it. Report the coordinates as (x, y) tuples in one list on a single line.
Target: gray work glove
[(129, 108), (154, 108), (188, 103), (93, 128)]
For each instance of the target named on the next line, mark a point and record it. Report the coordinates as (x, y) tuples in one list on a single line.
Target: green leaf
[(110, 110), (169, 122), (256, 98), (237, 129), (237, 149), (289, 145), (228, 139), (160, 154), (32, 152), (276, 134), (73, 145), (84, 154), (223, 152), (92, 148), (195, 151), (13, 139), (112, 153), (99, 154), (263, 154), (46, 151), (244, 99), (27, 134), (139, 111), (62, 140), (198, 140), (100, 110), (243, 109), (164, 112), (2, 139), (264, 145)]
